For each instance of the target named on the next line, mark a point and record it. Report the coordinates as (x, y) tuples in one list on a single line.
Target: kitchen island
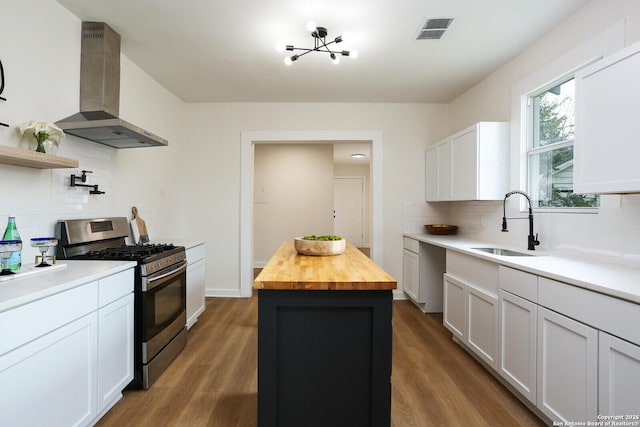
[(324, 340)]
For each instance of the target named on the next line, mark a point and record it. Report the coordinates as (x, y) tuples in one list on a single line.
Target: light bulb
[(280, 47), (311, 26), (353, 54), (335, 59), (287, 61)]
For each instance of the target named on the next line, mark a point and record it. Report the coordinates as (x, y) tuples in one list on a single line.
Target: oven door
[(163, 308)]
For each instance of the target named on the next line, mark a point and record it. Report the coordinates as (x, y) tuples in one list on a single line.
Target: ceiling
[(224, 50)]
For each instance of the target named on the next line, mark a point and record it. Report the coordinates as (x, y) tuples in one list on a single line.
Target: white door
[(348, 209)]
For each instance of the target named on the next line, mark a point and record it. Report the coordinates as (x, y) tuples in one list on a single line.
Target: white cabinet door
[(444, 170), (480, 162), (517, 343), (438, 172), (619, 376), (567, 368), (411, 275), (195, 283), (606, 151), (464, 165), (115, 350), (431, 174), (195, 292), (454, 316), (51, 381), (482, 323)]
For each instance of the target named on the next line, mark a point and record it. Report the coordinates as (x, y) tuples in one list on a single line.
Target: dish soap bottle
[(11, 233)]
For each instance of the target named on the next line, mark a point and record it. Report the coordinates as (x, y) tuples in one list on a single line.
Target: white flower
[(41, 131)]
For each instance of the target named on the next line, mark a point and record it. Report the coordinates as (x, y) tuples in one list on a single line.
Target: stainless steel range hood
[(98, 119)]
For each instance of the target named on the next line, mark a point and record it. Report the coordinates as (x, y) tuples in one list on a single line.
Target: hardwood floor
[(213, 382)]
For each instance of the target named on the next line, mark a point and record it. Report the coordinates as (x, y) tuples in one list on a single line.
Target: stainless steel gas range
[(160, 331)]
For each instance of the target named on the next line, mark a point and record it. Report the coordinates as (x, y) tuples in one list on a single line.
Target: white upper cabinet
[(606, 149), (438, 172), (472, 164)]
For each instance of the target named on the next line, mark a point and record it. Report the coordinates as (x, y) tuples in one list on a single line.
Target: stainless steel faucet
[(532, 241)]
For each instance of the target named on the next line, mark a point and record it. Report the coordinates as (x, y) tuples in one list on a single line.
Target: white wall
[(614, 233), (40, 52), (216, 159), (293, 195)]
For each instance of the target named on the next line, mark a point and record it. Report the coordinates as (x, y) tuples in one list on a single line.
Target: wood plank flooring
[(213, 382)]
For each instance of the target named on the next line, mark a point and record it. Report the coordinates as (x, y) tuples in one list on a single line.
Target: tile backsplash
[(610, 235), (40, 197)]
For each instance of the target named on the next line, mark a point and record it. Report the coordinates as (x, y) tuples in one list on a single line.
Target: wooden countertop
[(350, 271)]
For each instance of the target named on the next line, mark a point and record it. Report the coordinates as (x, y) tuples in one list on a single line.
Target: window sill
[(564, 210)]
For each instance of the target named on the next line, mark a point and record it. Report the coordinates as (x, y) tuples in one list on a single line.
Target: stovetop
[(151, 258), (140, 253)]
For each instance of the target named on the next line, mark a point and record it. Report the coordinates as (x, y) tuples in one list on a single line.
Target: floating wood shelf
[(33, 159)]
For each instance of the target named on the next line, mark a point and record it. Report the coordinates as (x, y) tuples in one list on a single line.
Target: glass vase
[(50, 146)]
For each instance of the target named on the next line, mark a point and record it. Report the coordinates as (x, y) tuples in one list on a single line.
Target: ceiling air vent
[(433, 28)]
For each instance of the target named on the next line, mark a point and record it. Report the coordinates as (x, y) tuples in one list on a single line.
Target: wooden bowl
[(319, 247), (441, 229)]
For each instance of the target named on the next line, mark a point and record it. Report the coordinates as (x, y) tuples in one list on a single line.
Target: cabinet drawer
[(412, 244), (483, 274), (519, 283), (26, 323), (618, 317), (195, 253), (115, 286)]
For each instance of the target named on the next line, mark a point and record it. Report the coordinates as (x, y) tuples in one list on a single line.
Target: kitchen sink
[(503, 252)]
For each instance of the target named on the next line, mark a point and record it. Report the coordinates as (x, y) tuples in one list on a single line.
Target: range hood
[(98, 119)]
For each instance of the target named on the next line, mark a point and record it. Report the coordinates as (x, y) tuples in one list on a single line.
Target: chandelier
[(320, 44)]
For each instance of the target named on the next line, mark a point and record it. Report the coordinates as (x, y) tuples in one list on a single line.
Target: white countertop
[(22, 290), (620, 281)]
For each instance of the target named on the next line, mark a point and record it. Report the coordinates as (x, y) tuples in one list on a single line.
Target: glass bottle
[(11, 233)]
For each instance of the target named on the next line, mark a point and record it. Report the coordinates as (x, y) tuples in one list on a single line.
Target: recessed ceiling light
[(357, 155)]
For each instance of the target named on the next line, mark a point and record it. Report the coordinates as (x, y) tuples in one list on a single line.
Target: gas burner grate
[(130, 251)]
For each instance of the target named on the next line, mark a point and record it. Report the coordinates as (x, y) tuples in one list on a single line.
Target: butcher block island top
[(351, 270)]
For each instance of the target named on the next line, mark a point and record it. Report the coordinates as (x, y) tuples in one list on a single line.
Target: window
[(550, 148)]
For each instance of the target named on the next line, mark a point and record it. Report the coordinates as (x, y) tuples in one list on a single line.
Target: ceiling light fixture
[(357, 155), (320, 44)]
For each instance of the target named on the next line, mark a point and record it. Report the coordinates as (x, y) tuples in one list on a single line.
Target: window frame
[(528, 150)]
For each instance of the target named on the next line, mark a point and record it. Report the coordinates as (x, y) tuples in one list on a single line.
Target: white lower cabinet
[(411, 274), (567, 368), (422, 269), (51, 381), (619, 376), (195, 283), (115, 350), (65, 359), (471, 314), (454, 316), (482, 324), (517, 337), (572, 352)]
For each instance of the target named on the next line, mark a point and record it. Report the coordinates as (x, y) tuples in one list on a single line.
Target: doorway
[(349, 208), (248, 141)]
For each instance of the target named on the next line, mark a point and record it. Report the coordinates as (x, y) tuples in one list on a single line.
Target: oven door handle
[(149, 284)]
